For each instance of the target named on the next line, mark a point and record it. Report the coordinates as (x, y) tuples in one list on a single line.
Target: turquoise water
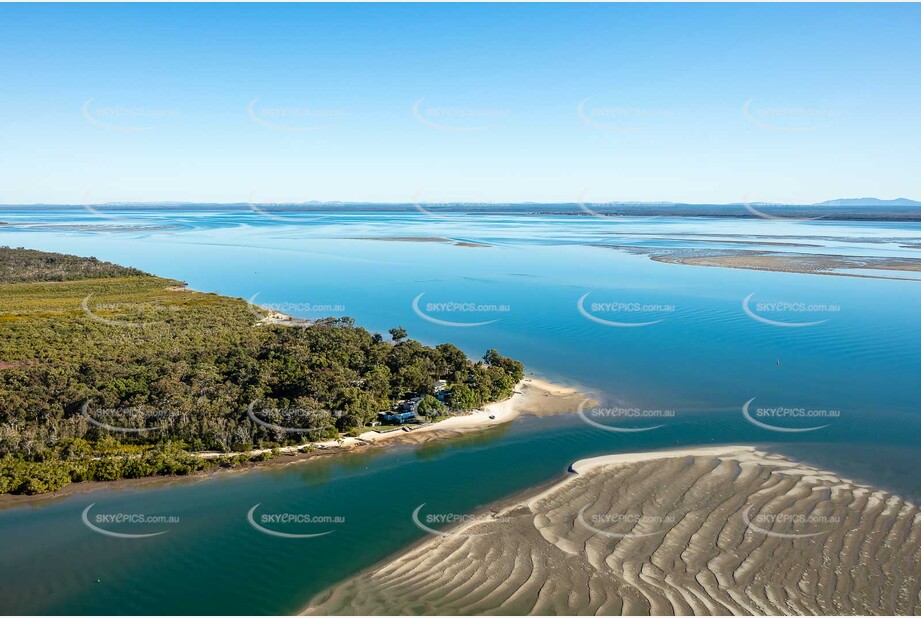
[(703, 358)]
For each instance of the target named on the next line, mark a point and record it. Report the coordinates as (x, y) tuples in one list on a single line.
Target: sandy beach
[(699, 531), (532, 396)]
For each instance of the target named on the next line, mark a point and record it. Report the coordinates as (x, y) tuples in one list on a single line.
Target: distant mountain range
[(870, 201)]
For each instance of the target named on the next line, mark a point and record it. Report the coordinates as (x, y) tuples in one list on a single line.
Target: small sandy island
[(704, 531)]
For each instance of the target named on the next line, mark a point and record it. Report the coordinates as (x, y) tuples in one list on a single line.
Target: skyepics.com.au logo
[(288, 525), (290, 420), (460, 521), (292, 118), (610, 210), (787, 118), (773, 417), (638, 524), (458, 308), (284, 211), (450, 205), (607, 418), (781, 308), (784, 212), (93, 313), (127, 420), (126, 215), (459, 118), (619, 307), (620, 118), (125, 119), (281, 313), (428, 207), (783, 525), (120, 525)]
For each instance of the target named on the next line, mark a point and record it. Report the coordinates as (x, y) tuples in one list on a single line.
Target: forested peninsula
[(108, 372)]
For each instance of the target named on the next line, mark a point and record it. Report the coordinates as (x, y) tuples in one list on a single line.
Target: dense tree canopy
[(19, 265), (107, 372)]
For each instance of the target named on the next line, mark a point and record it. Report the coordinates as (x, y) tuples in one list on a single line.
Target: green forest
[(108, 372)]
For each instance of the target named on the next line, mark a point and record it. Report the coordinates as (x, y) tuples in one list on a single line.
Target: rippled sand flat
[(715, 531)]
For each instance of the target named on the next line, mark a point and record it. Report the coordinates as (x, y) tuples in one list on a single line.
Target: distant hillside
[(870, 201)]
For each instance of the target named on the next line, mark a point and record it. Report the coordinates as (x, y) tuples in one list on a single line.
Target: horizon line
[(831, 202)]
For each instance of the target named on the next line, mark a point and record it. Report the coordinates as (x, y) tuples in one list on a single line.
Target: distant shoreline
[(843, 210)]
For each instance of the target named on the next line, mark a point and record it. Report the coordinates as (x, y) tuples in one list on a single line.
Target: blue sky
[(449, 103)]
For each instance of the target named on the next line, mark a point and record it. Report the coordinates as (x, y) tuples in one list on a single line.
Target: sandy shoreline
[(531, 396), (694, 531)]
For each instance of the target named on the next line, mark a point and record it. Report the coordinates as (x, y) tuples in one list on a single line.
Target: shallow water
[(703, 356)]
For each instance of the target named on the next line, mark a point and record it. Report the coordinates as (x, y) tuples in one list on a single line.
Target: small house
[(441, 390), (398, 416)]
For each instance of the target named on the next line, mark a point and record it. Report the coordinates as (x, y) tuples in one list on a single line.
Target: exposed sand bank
[(800, 263), (436, 239), (804, 263), (705, 531)]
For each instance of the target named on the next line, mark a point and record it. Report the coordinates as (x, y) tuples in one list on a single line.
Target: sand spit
[(102, 227), (799, 263), (436, 239), (722, 240), (710, 531), (787, 262), (532, 396)]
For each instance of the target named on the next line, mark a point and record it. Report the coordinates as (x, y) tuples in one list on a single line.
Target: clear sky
[(450, 103)]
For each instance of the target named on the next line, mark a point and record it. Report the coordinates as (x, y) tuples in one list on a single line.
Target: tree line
[(107, 372)]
